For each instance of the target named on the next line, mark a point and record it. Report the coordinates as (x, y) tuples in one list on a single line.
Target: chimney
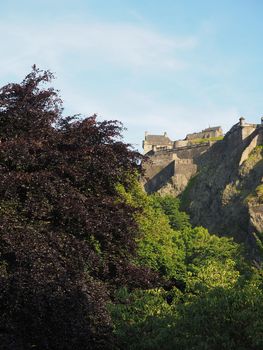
[(241, 121)]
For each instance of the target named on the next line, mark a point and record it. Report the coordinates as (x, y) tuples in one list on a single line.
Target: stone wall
[(247, 130), (169, 171), (192, 152), (173, 169), (205, 134), (181, 143), (157, 176), (245, 154)]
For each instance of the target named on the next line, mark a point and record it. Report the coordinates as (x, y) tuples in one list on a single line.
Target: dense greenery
[(67, 240), (89, 261), (212, 292)]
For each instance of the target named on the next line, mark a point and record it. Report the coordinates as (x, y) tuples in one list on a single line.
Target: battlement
[(173, 163), (206, 133), (158, 143)]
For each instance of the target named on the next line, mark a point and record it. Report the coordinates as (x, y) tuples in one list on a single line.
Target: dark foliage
[(65, 236)]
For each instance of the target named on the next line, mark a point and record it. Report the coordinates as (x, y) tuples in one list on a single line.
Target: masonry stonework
[(171, 164)]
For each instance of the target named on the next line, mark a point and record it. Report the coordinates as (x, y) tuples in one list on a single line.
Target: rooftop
[(158, 139)]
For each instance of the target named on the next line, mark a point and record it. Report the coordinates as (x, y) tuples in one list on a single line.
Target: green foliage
[(168, 244), (211, 274), (205, 274), (143, 317), (178, 220), (222, 319), (213, 299), (158, 245)]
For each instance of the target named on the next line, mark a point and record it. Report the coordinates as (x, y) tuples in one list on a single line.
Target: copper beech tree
[(66, 238)]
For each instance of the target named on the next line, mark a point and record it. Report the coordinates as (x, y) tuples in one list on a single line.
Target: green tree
[(158, 245), (195, 264), (222, 319), (170, 205)]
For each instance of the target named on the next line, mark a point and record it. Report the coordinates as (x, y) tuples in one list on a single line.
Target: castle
[(171, 164), (162, 142)]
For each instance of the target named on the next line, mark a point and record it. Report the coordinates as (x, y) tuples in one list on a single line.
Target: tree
[(65, 233), (178, 220), (198, 268)]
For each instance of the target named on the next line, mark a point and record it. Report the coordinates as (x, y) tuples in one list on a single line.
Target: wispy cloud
[(125, 45), (73, 48)]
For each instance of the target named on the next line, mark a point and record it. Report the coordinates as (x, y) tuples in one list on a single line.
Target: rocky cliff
[(226, 194), (220, 183)]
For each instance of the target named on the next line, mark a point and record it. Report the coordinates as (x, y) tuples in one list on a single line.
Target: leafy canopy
[(65, 234)]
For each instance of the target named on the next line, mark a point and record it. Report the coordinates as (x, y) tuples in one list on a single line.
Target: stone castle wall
[(169, 171), (206, 134)]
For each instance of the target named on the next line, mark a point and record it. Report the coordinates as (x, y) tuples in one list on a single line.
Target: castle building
[(173, 163), (163, 142), (208, 133), (156, 143)]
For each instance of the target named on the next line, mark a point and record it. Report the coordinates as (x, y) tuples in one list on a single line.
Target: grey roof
[(158, 140)]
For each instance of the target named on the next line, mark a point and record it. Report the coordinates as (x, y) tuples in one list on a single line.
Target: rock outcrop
[(225, 195), (220, 183)]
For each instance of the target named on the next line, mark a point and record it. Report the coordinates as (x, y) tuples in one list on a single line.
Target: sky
[(173, 65)]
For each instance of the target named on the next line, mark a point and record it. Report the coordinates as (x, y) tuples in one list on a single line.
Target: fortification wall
[(156, 165), (247, 130), (169, 171), (254, 142), (192, 152), (260, 136), (175, 167), (203, 135), (157, 176), (181, 143)]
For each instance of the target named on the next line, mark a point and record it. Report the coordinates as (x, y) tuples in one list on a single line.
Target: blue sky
[(170, 65)]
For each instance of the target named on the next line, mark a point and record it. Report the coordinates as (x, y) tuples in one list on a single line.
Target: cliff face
[(226, 194), (220, 184)]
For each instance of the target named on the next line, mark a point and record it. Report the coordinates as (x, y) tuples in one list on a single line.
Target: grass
[(210, 139)]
